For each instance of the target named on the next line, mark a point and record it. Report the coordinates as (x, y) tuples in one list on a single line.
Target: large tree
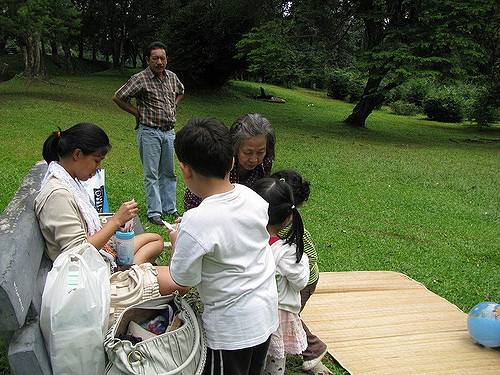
[(403, 37), (202, 35), (31, 20), (271, 53), (300, 45)]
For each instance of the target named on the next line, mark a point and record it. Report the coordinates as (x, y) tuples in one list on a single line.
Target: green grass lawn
[(406, 194)]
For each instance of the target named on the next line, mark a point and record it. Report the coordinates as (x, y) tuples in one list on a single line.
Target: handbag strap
[(124, 277)]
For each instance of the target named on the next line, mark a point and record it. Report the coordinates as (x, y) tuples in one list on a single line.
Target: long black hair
[(87, 137), (300, 187), (279, 195)]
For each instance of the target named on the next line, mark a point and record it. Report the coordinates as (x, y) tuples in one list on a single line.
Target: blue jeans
[(156, 149)]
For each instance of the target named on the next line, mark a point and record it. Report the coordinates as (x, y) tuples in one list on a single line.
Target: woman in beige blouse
[(65, 213)]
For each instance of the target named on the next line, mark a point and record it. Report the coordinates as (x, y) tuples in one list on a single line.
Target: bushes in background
[(486, 108), (344, 85), (446, 103), (415, 91), (443, 105), (400, 107)]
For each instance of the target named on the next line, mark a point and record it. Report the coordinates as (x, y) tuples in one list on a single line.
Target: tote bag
[(75, 309)]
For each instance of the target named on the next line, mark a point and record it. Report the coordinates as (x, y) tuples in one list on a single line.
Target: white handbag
[(138, 283), (181, 351)]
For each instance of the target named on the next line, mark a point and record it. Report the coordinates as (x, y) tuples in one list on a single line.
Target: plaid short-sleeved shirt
[(155, 97)]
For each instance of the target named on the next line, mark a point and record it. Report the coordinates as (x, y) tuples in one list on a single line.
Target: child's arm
[(186, 260), (173, 239), (309, 247)]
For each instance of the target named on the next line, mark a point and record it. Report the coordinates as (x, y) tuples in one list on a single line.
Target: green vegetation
[(407, 194), (373, 46)]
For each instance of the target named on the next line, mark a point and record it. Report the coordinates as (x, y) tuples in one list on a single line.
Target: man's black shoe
[(155, 220), (174, 214)]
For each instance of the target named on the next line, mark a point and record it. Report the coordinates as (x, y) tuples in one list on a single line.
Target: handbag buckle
[(138, 354)]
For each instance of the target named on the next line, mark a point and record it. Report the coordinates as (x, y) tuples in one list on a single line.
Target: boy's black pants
[(247, 361)]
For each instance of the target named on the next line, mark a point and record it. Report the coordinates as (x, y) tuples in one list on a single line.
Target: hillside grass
[(405, 194)]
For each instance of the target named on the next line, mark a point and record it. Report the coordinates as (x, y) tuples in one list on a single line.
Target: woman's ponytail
[(86, 136), (49, 151)]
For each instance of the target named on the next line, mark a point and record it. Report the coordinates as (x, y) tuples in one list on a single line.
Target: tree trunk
[(370, 100), (24, 54), (115, 51), (134, 59), (123, 58), (43, 59), (361, 112), (67, 54), (42, 42), (80, 47), (53, 46), (31, 55), (3, 45)]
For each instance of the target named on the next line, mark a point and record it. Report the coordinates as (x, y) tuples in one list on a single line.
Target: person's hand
[(123, 267), (173, 236), (127, 211)]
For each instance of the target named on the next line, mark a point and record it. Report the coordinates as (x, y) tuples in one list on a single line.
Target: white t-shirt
[(223, 249)]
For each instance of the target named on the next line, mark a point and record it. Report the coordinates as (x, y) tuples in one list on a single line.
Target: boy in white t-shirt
[(222, 248)]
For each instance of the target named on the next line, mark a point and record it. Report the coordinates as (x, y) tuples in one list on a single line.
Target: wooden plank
[(393, 326), (361, 281)]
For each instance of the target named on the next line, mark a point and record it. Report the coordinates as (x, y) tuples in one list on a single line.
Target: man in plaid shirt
[(157, 92)]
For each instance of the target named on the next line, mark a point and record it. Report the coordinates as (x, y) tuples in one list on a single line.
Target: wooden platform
[(386, 323)]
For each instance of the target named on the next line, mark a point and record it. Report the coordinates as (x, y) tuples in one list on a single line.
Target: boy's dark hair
[(300, 187), (204, 144), (87, 137), (153, 46), (279, 195)]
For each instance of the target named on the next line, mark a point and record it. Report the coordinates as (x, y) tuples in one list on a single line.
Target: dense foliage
[(444, 107), (379, 44), (344, 85)]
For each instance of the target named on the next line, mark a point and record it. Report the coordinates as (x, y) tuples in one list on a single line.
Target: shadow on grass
[(426, 135)]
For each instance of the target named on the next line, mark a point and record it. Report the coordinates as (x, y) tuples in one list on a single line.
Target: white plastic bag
[(97, 190), (75, 310)]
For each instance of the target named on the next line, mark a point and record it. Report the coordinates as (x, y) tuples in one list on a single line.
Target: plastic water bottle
[(124, 248)]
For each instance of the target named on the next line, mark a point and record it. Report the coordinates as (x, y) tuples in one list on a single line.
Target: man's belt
[(163, 128)]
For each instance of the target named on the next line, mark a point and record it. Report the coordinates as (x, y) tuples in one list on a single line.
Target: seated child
[(222, 249)]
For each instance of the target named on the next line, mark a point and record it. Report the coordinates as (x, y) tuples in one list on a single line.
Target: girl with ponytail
[(316, 348), (292, 271)]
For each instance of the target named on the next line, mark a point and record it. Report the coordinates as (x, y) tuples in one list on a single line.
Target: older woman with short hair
[(253, 147)]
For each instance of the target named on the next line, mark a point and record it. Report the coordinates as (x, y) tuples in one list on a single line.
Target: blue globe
[(484, 324)]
